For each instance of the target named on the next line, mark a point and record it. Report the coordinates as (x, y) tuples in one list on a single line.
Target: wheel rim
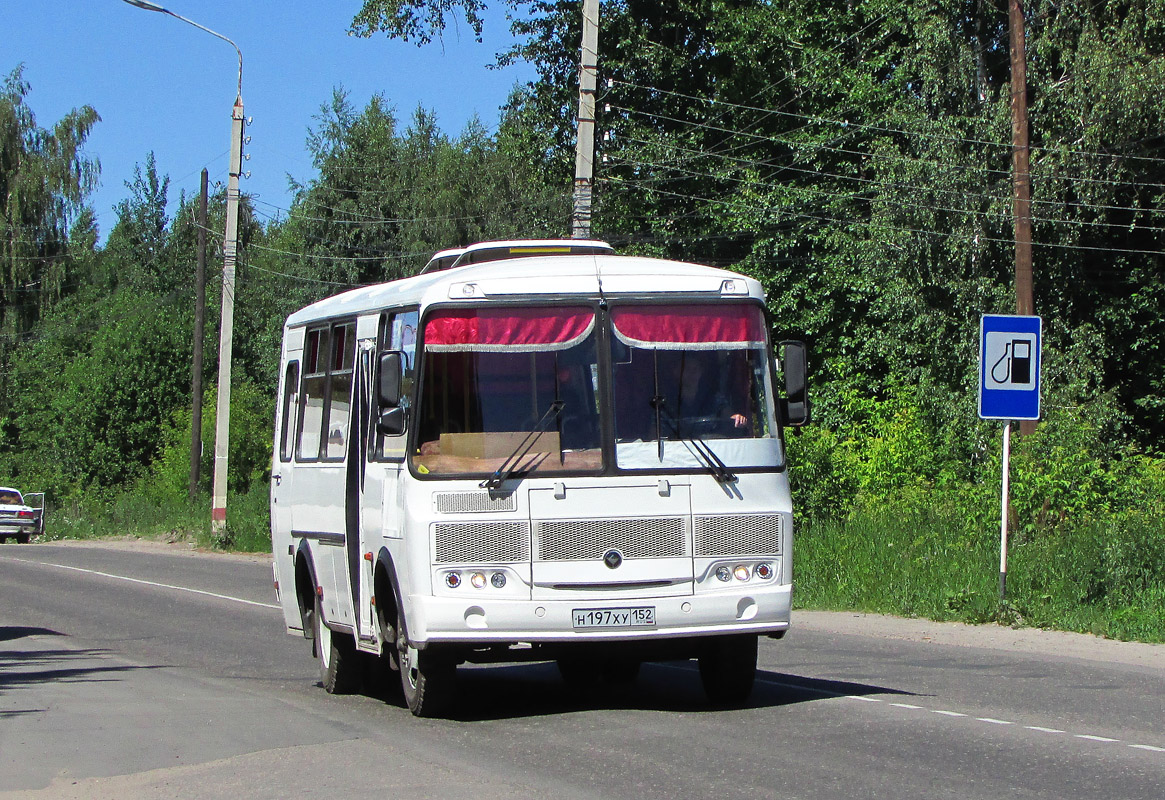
[(407, 655)]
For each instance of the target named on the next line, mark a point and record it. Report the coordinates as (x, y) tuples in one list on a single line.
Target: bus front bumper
[(439, 620)]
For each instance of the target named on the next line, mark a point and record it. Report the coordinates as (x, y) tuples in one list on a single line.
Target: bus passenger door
[(382, 514), (282, 477), (359, 574)]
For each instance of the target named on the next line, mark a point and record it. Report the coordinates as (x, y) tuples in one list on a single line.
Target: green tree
[(45, 177)]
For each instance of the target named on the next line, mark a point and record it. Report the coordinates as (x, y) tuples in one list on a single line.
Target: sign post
[(1009, 389)]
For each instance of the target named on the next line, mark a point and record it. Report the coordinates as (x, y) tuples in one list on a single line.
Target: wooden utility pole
[(199, 324), (584, 158), (1021, 171)]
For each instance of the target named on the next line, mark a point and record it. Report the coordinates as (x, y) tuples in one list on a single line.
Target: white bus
[(570, 458)]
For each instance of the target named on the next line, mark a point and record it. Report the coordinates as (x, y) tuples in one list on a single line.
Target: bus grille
[(481, 542), (636, 537), (758, 534), (471, 502)]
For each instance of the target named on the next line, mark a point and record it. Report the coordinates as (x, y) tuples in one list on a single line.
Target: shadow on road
[(9, 633), (23, 665), (533, 690)]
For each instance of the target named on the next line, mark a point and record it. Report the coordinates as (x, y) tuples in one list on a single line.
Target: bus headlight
[(764, 571), (477, 580), (742, 573), (724, 573), (452, 580), (498, 579)]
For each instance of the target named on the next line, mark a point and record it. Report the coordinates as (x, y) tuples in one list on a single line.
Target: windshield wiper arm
[(702, 449), (510, 466)]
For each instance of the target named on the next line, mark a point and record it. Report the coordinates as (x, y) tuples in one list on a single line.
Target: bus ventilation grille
[(471, 502), (635, 537), (748, 535), (481, 542)]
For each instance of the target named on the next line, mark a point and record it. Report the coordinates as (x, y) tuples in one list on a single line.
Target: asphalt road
[(143, 671)]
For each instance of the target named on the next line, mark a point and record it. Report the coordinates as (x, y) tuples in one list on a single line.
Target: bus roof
[(581, 276)]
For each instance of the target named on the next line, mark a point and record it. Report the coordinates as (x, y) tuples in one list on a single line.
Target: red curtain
[(727, 325), (507, 328)]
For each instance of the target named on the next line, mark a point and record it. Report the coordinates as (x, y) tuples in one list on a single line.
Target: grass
[(1105, 577), (148, 515)]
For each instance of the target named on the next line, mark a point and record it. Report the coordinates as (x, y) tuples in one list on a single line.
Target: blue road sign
[(1009, 367)]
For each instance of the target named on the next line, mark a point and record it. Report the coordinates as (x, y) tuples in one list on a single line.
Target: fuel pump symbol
[(1015, 365)]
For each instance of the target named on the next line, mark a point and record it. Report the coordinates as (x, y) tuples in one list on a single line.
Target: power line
[(976, 237)]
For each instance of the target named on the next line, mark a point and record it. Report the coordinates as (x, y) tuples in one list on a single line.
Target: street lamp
[(218, 513)]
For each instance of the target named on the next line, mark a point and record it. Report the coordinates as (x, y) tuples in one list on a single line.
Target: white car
[(18, 519)]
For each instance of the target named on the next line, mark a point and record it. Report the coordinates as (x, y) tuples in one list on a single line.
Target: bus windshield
[(519, 390), (496, 379), (692, 379)]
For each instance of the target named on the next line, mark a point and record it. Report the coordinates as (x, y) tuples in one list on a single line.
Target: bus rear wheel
[(428, 680), (337, 656), (728, 669)]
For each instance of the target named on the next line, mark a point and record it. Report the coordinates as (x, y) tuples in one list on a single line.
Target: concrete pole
[(218, 512), (584, 159)]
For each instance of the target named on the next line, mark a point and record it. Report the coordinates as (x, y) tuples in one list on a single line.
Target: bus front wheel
[(427, 679), (728, 668)]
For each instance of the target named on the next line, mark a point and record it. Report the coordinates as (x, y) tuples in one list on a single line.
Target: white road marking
[(150, 583), (943, 712)]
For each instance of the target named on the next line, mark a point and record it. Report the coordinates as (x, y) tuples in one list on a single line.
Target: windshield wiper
[(510, 466), (712, 462)]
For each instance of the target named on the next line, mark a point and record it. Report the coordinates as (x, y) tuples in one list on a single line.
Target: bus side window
[(290, 411), (311, 395), (341, 371)]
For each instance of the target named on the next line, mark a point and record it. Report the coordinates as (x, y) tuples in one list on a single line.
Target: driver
[(698, 390)]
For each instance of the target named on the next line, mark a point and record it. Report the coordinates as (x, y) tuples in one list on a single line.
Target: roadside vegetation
[(853, 157)]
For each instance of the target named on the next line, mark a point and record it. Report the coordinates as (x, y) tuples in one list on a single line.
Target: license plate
[(642, 617)]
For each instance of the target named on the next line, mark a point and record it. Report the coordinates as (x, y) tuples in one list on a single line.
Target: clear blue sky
[(164, 86)]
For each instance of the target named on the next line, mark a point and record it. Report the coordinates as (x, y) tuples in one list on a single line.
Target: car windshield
[(10, 498), (496, 380)]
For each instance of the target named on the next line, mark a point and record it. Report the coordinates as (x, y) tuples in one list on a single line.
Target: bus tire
[(339, 665), (428, 681), (728, 669)]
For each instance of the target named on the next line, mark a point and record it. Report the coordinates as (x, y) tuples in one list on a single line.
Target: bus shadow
[(531, 690)]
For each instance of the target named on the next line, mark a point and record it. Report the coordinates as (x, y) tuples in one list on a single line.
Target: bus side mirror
[(389, 380), (795, 364), (391, 422)]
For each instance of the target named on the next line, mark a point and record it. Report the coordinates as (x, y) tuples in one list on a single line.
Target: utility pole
[(199, 325), (1021, 171), (218, 510), (584, 159)]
